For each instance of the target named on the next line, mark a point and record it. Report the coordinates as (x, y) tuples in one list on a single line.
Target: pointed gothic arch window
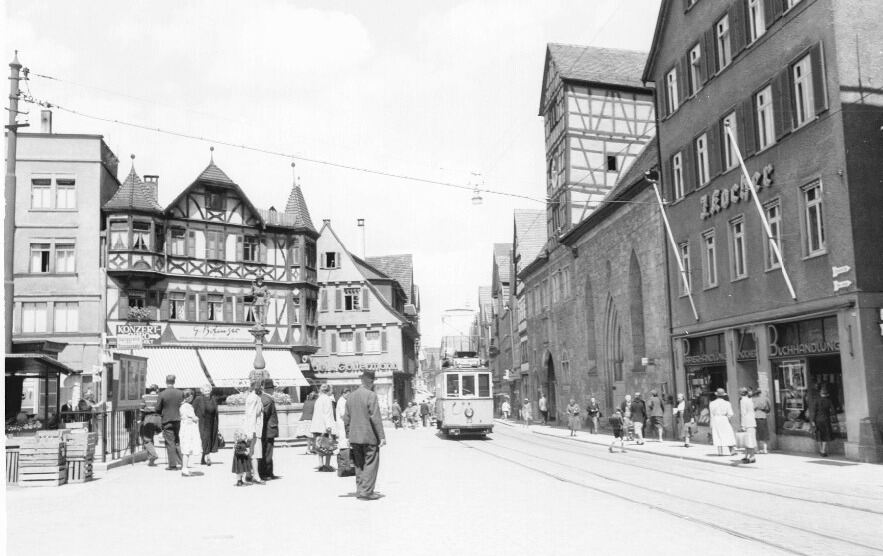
[(636, 311)]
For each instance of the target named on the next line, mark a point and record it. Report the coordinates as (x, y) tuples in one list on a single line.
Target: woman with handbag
[(323, 427), (206, 409)]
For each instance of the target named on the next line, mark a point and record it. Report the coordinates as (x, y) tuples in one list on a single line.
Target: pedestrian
[(323, 426), (396, 414), (191, 443), (639, 415), (168, 405), (206, 409), (424, 413), (820, 415), (762, 409), (543, 407), (683, 415), (151, 423), (722, 434), (241, 463), (593, 410), (616, 423), (505, 408), (748, 424), (253, 427), (573, 416), (339, 412), (526, 413), (625, 408), (656, 409), (306, 416), (411, 415), (365, 434), (269, 431)]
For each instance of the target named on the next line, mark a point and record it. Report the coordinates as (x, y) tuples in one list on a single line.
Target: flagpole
[(674, 244), (766, 225)]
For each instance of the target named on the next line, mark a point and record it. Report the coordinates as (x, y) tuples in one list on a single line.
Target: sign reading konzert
[(150, 333)]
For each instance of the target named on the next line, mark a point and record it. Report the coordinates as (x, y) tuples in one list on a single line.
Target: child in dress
[(241, 461), (615, 421)]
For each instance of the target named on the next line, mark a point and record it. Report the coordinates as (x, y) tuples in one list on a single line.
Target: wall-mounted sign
[(211, 333), (838, 270), (804, 338), (344, 367), (720, 199), (150, 333)]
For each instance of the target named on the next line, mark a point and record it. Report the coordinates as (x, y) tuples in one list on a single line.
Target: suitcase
[(345, 467)]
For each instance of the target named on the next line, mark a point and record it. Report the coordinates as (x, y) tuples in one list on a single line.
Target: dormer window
[(214, 199)]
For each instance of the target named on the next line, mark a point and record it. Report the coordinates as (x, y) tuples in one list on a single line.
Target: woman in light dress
[(254, 424), (191, 443), (323, 423), (339, 411), (722, 433)]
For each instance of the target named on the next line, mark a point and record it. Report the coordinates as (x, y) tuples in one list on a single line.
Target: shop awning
[(230, 367), (181, 362)]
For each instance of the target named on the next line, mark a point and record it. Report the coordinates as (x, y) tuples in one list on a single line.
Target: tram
[(464, 397)]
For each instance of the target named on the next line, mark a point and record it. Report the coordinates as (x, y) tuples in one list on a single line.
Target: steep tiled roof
[(398, 267), (296, 209), (134, 194), (214, 174), (645, 160), (530, 234), (503, 259), (599, 65), (369, 271)]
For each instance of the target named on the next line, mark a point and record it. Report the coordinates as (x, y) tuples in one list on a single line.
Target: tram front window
[(484, 386), (453, 385), (468, 385)]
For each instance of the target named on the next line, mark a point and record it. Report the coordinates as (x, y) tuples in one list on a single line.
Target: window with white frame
[(763, 106), (65, 194), (177, 306), (65, 258), (756, 20), (41, 193), (790, 4), (330, 259), (251, 249), (722, 34), (737, 237), (372, 341), (687, 287), (710, 259), (178, 242), (215, 307), (677, 175), (804, 104), (730, 159), (703, 174), (774, 217), (40, 257), (695, 64), (671, 84), (351, 299), (33, 317), (66, 316), (346, 343), (814, 219), (141, 235), (49, 192)]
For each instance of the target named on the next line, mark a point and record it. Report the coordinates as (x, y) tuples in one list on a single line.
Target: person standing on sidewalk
[(424, 413), (748, 424), (269, 431), (683, 415), (573, 416), (365, 433), (544, 409), (526, 413), (594, 413), (722, 434), (168, 405), (625, 408), (254, 425), (151, 422), (656, 410), (616, 423), (762, 409), (505, 408), (639, 415), (821, 413)]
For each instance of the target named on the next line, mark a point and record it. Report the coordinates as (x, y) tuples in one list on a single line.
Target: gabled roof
[(647, 74), (134, 194), (398, 267), (369, 271), (530, 234), (608, 66), (645, 160), (296, 209), (503, 260), (214, 174)]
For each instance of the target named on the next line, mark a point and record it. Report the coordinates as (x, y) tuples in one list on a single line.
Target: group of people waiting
[(412, 415)]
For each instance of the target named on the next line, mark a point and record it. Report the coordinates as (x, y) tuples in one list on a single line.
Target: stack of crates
[(80, 454), (42, 461)]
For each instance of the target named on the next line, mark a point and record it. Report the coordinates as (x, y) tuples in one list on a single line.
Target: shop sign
[(705, 358), (211, 333), (808, 348), (150, 333), (343, 367), (720, 199)]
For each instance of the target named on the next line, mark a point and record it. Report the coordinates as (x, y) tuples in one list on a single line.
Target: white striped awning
[(231, 367), (181, 362)]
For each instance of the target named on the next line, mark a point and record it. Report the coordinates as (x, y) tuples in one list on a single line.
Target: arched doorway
[(550, 386)]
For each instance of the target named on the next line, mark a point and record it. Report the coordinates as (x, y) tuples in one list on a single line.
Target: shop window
[(33, 317), (66, 316), (722, 34), (40, 256), (814, 221)]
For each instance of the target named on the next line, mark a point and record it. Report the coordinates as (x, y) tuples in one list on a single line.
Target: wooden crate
[(42, 476), (42, 462), (79, 470)]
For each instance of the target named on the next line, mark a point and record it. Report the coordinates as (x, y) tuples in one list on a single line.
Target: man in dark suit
[(269, 432), (364, 429), (168, 405)]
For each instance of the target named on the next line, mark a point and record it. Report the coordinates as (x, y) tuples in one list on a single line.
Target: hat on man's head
[(654, 393), (744, 391), (368, 374), (268, 383), (170, 379), (720, 392)]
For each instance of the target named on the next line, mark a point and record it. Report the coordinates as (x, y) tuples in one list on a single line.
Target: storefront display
[(706, 368)]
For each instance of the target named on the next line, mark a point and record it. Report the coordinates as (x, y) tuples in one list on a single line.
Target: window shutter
[(239, 254), (239, 308), (365, 299), (191, 306), (772, 11), (737, 27), (203, 307), (333, 342), (748, 140), (228, 309), (163, 306), (383, 345), (710, 53), (191, 243), (661, 107), (263, 247), (688, 165), (668, 182), (683, 89), (123, 305), (359, 341), (715, 146), (338, 299), (703, 63), (817, 60), (323, 299), (783, 109)]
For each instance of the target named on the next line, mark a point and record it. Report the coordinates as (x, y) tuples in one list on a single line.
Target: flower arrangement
[(140, 314), (14, 428)]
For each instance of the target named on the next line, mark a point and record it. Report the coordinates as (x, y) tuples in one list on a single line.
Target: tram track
[(749, 525)]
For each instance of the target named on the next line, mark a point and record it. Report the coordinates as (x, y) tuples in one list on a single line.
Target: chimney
[(46, 121), (152, 185)]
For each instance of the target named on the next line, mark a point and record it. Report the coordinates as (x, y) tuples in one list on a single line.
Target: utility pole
[(9, 215)]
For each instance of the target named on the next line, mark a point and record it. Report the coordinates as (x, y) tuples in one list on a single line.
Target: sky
[(438, 90)]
